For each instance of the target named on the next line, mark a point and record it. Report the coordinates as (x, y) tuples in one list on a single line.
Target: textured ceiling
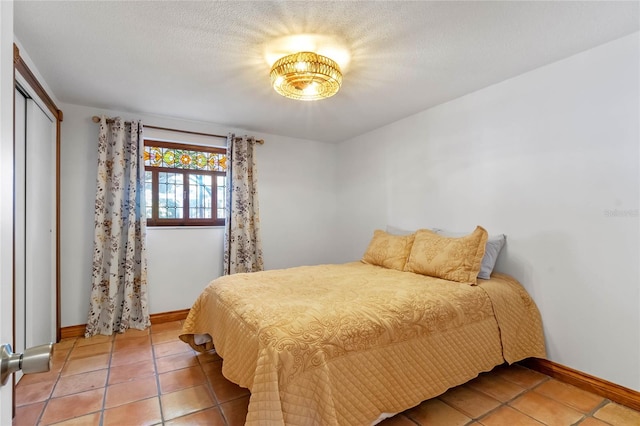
[(204, 60)]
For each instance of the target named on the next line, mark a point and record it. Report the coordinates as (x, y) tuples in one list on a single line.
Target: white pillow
[(491, 251), (398, 231)]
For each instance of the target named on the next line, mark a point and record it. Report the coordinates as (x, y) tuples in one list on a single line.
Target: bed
[(351, 344)]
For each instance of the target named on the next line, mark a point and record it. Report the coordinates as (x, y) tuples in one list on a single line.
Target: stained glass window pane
[(175, 158), (170, 195), (200, 196)]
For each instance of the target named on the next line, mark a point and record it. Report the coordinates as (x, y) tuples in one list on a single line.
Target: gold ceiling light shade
[(306, 76)]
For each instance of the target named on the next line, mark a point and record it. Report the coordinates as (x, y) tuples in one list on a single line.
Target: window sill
[(185, 227)]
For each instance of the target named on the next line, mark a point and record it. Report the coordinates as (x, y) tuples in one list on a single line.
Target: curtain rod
[(96, 119)]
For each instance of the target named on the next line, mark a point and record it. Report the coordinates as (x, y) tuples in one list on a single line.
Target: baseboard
[(72, 331), (616, 393), (169, 316), (78, 330)]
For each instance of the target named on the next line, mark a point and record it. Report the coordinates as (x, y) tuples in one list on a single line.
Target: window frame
[(155, 220)]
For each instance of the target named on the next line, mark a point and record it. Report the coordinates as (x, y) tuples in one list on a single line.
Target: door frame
[(21, 67), (7, 70)]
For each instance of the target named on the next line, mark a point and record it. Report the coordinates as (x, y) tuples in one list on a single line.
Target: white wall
[(297, 206), (551, 158), (297, 202), (545, 158), (6, 195)]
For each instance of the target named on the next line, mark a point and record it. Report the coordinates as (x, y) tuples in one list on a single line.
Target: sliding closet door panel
[(39, 244), (19, 218)]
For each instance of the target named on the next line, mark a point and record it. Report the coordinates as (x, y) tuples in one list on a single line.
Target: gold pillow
[(453, 259), (389, 251)]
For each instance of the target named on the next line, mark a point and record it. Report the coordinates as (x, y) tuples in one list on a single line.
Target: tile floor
[(152, 378)]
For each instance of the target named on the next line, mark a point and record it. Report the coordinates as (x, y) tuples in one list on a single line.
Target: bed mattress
[(342, 344)]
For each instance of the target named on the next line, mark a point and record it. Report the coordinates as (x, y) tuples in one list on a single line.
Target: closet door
[(19, 220), (40, 293)]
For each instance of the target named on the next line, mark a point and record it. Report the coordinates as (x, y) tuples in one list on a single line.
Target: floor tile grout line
[(136, 349), (526, 389), (544, 379), (451, 406), (411, 419), (533, 389), (55, 383), (157, 374), (217, 403), (516, 396), (106, 383), (604, 403), (515, 409), (220, 404), (469, 415), (487, 414), (59, 377), (586, 415), (580, 420), (505, 403), (209, 387)]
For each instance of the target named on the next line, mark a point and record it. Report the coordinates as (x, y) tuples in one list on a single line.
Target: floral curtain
[(242, 243), (119, 280)]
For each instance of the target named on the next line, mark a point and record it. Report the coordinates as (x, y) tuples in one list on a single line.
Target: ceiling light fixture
[(306, 76)]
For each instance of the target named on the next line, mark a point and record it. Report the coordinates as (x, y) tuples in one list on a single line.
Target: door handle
[(34, 360)]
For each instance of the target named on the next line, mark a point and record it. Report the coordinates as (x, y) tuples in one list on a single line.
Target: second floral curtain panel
[(119, 279), (242, 243)]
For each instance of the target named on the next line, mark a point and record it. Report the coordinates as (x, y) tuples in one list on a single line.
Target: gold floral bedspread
[(341, 344)]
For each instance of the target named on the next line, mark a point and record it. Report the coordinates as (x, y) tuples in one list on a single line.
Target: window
[(184, 184)]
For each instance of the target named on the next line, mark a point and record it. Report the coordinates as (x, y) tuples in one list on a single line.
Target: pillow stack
[(388, 251), (453, 259), (437, 253), (491, 251)]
